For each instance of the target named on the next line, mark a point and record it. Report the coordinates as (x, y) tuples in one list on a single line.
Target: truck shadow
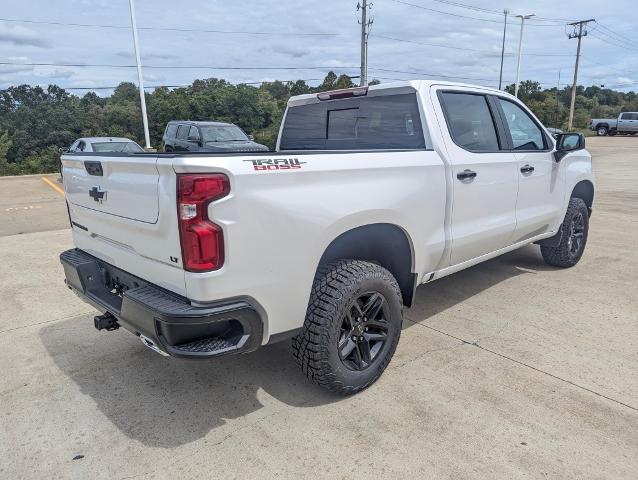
[(163, 402), (440, 295)]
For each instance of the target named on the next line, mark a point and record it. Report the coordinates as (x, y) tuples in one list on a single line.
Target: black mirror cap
[(561, 150)]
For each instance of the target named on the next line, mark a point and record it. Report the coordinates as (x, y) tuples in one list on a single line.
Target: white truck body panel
[(278, 224)]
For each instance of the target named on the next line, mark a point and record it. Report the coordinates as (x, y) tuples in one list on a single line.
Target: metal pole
[(500, 76), (364, 40), (579, 35), (140, 80)]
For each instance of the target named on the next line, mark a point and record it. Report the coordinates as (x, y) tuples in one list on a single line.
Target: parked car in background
[(105, 145), (325, 239), (625, 124), (189, 136)]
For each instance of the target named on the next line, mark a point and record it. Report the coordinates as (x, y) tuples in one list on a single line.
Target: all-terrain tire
[(575, 229), (339, 289), (601, 131)]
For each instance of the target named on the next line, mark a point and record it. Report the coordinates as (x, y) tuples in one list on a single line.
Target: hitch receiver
[(106, 322)]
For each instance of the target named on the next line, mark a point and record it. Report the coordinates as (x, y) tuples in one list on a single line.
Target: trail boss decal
[(276, 163)]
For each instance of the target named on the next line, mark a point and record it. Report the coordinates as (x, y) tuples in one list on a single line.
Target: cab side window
[(525, 133), (193, 133), (182, 132), (470, 121)]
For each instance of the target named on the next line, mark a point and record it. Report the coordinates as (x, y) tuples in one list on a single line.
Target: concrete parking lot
[(510, 369)]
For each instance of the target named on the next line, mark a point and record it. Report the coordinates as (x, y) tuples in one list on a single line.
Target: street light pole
[(500, 76), (140, 80), (520, 48)]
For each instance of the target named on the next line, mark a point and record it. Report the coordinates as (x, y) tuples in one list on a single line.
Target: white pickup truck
[(370, 193)]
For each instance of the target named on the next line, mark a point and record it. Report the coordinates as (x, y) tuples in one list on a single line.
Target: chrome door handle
[(466, 176), (527, 169)]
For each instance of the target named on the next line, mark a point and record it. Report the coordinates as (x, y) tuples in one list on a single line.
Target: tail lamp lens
[(202, 240)]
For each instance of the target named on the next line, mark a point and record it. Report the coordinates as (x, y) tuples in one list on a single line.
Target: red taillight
[(202, 240)]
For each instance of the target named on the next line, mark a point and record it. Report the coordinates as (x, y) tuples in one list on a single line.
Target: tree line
[(36, 122)]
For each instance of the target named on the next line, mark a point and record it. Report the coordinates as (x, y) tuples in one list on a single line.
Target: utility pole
[(520, 48), (500, 76), (365, 33), (140, 80), (581, 33)]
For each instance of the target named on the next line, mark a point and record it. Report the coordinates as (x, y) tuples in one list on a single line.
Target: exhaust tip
[(152, 345)]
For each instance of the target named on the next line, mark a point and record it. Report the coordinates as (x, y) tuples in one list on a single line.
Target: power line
[(611, 33), (471, 49), (466, 16), (168, 29), (430, 74), (202, 67), (611, 40), (148, 87)]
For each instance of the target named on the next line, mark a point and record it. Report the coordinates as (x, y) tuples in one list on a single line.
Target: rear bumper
[(176, 327)]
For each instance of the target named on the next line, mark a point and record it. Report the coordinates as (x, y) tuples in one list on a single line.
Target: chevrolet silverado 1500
[(369, 193)]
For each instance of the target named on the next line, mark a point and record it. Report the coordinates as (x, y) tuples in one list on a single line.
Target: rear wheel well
[(382, 243), (584, 190)]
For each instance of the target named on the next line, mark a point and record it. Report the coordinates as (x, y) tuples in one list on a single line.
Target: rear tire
[(352, 326), (575, 229), (601, 131)]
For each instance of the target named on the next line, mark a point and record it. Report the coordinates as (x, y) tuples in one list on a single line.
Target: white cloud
[(19, 35)]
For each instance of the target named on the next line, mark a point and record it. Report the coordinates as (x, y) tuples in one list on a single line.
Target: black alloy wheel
[(364, 331)]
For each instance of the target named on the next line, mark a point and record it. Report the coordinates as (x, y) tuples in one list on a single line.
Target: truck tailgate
[(127, 216), (123, 186)]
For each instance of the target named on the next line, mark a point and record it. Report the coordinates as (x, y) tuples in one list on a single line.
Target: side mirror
[(63, 150), (251, 138), (568, 142)]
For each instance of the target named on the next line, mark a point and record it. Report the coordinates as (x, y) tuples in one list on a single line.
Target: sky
[(255, 41)]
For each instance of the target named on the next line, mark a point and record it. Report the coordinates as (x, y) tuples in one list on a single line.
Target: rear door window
[(193, 133), (470, 121), (182, 132), (367, 123)]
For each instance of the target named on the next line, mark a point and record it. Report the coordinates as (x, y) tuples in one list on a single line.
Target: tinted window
[(109, 146), (193, 132), (629, 116), (526, 135), (223, 133), (470, 121), (132, 147), (182, 132), (367, 123), (171, 131)]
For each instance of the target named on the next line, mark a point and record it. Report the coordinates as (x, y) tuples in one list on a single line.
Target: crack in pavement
[(556, 377), (45, 321)]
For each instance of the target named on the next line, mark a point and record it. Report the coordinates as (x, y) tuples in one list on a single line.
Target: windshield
[(222, 133), (116, 147)]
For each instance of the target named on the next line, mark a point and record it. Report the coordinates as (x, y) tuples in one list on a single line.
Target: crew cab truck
[(625, 124), (370, 193)]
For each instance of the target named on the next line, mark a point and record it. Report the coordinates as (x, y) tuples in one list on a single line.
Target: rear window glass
[(109, 146), (367, 123)]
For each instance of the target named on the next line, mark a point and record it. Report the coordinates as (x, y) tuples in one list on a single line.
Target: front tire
[(352, 326), (575, 229)]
